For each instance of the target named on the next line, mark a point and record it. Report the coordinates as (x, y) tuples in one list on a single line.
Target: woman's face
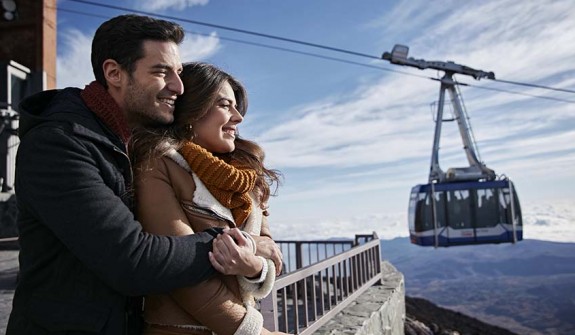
[(216, 131)]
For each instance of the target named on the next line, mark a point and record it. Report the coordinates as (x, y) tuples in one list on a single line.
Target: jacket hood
[(66, 106)]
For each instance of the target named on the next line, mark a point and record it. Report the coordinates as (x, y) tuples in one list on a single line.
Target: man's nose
[(176, 85)]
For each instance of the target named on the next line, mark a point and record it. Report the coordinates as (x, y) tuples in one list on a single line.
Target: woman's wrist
[(261, 270)]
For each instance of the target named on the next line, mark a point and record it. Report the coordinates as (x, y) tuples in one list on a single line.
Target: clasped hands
[(233, 253)]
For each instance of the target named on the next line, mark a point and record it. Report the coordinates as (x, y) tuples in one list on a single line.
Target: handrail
[(307, 298), (298, 254)]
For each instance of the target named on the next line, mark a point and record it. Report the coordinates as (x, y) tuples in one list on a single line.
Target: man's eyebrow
[(162, 67)]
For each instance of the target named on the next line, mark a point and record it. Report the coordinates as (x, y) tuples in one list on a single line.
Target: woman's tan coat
[(164, 193)]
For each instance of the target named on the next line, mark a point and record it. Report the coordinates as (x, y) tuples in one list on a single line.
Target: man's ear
[(113, 73)]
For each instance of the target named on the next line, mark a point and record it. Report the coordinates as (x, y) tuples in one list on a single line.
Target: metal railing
[(320, 279)]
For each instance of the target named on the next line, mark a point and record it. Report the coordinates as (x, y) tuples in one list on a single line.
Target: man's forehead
[(162, 51)]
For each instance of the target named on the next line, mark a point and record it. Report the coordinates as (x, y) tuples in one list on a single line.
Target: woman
[(199, 174)]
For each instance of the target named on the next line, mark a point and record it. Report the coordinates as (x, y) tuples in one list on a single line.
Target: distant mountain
[(528, 287), (425, 318)]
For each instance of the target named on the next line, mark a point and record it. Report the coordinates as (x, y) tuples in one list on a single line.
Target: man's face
[(151, 90)]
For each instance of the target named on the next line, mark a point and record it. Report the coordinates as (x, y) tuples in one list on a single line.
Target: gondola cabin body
[(463, 213), (463, 205)]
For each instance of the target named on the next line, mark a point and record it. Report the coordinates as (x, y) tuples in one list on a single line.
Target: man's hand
[(267, 248), (233, 255)]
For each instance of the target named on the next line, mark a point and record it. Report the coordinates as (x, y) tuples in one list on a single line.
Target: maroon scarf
[(105, 107)]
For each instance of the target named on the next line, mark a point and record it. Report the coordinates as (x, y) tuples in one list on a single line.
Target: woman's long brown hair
[(202, 82)]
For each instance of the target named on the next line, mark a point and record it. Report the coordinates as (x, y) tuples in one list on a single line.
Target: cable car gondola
[(463, 213), (465, 205)]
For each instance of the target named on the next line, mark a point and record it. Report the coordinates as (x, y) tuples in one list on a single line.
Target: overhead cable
[(243, 31), (315, 45)]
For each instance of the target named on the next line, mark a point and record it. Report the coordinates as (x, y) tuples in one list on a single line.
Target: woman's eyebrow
[(225, 99)]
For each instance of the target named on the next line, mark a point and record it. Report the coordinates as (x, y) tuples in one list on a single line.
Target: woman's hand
[(233, 255), (267, 248)]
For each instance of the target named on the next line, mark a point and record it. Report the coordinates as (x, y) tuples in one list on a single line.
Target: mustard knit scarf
[(229, 183)]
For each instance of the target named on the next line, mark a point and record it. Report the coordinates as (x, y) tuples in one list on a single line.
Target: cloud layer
[(549, 221), (159, 5)]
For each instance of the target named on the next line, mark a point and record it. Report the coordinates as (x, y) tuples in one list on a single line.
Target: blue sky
[(352, 140)]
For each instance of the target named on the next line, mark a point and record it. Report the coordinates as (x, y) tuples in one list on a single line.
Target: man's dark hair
[(121, 39)]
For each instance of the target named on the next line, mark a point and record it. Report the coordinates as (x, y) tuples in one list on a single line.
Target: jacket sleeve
[(260, 290), (61, 181), (212, 302), (265, 230), (215, 306)]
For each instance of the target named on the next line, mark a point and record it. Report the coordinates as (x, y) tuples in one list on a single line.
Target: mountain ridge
[(527, 287)]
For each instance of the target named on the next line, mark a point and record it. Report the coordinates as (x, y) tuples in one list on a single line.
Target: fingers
[(221, 257), (235, 234), (277, 259), (232, 253), (240, 238), (228, 241), (223, 247), (267, 248), (229, 257), (215, 263)]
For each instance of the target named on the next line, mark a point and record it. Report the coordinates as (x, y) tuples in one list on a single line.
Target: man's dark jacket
[(82, 253)]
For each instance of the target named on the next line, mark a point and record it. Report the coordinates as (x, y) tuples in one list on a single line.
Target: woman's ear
[(113, 73)]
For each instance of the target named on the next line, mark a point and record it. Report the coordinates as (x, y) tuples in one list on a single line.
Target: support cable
[(350, 52)]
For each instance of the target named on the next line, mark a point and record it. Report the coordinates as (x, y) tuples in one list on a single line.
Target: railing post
[(378, 257), (269, 310), (328, 276), (298, 256)]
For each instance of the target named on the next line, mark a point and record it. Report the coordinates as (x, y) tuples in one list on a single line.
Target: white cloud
[(348, 131), (525, 41), (158, 5), (73, 64), (198, 47), (549, 221), (389, 121)]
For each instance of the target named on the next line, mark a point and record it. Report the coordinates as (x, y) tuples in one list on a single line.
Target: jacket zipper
[(210, 214)]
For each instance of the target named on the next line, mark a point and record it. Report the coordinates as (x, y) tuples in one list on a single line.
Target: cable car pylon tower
[(462, 205)]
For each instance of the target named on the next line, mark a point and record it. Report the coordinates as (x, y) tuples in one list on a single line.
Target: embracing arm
[(63, 182)]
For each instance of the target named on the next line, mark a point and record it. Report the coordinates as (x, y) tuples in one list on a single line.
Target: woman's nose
[(236, 115)]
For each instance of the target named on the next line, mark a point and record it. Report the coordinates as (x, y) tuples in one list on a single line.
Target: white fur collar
[(203, 198)]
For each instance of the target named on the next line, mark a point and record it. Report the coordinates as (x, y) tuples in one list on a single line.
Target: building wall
[(30, 39), (28, 43)]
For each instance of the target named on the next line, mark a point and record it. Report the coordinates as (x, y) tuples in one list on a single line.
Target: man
[(82, 253)]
